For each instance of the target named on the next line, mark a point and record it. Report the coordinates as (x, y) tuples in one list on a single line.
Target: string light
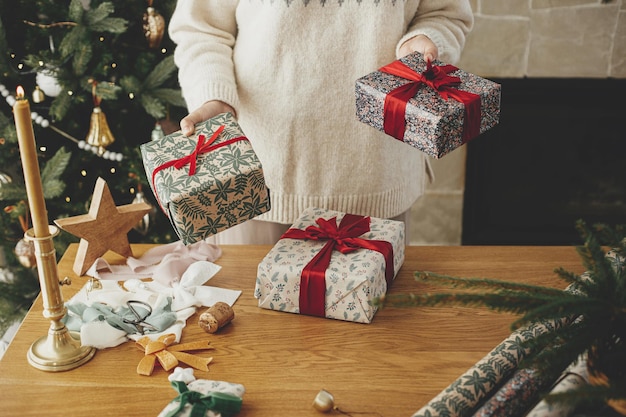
[(43, 122)]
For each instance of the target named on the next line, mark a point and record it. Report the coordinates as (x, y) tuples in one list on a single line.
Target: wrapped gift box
[(435, 109), (344, 289), (207, 182), (212, 399)]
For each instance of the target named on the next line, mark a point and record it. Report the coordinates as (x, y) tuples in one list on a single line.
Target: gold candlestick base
[(60, 350)]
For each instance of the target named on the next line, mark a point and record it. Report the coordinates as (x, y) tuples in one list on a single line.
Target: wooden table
[(392, 366)]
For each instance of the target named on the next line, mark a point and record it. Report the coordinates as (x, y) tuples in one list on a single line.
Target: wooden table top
[(392, 366)]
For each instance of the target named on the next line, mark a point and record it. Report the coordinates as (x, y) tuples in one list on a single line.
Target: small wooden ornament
[(104, 228), (216, 317)]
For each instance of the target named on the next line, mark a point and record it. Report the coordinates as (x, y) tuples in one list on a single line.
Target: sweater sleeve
[(204, 32), (446, 23)]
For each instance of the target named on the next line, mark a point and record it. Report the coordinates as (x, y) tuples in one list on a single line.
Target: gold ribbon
[(170, 355)]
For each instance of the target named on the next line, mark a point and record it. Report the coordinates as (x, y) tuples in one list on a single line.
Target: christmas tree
[(101, 80)]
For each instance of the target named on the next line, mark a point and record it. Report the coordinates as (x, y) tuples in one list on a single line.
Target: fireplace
[(558, 155)]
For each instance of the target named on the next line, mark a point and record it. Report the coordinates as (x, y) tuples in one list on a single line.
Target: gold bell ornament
[(99, 135), (38, 95), (153, 26)]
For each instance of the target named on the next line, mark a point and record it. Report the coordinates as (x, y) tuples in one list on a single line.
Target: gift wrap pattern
[(433, 124), (219, 184), (482, 380), (183, 406), (352, 279)]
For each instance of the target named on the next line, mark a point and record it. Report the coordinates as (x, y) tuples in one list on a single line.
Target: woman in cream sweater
[(287, 70)]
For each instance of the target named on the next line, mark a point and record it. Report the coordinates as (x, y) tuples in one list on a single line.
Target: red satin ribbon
[(202, 147), (437, 78), (344, 239)]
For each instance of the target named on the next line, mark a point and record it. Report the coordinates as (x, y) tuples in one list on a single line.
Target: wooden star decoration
[(104, 228)]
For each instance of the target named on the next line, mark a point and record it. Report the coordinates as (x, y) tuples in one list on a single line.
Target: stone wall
[(516, 39)]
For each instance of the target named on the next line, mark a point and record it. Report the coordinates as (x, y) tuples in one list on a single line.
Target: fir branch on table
[(480, 283), (593, 307)]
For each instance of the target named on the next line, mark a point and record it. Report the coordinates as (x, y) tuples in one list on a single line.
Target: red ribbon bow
[(344, 239), (202, 147), (437, 78)]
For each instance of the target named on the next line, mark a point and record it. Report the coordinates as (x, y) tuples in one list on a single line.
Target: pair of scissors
[(140, 320)]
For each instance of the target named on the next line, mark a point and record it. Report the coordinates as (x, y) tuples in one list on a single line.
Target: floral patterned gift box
[(331, 264), (207, 182), (435, 108)]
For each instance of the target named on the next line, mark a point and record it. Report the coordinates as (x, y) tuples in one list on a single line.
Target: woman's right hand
[(206, 111)]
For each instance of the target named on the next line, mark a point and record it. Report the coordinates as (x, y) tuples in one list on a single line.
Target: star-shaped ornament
[(104, 228)]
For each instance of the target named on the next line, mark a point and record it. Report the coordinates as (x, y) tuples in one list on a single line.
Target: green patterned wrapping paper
[(227, 187), (353, 279), (479, 382), (203, 388)]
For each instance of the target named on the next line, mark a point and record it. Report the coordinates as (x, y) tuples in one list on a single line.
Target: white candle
[(30, 165)]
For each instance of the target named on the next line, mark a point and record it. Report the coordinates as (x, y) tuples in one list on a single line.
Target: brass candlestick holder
[(60, 350)]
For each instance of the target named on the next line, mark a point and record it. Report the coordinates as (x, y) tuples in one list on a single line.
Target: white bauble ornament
[(48, 83)]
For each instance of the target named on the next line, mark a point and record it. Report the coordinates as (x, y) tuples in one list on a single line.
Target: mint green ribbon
[(225, 404)]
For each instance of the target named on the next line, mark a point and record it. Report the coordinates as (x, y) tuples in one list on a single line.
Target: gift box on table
[(435, 108), (331, 264), (207, 182)]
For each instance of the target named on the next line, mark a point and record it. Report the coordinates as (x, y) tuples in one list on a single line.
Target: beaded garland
[(45, 123)]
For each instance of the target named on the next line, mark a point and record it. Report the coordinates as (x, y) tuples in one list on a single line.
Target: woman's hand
[(206, 111), (421, 44)]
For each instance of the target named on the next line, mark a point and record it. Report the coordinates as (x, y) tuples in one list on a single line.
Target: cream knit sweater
[(288, 68)]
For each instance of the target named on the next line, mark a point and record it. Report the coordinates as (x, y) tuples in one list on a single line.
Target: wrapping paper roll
[(461, 398), (574, 377), (518, 395)]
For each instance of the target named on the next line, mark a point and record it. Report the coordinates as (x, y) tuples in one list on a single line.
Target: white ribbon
[(187, 292)]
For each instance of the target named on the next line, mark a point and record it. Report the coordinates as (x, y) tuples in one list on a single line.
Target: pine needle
[(483, 283)]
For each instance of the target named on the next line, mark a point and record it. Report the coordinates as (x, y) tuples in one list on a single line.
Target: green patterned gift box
[(331, 264), (207, 182)]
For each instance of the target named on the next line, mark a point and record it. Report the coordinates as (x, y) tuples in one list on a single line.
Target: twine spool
[(216, 317)]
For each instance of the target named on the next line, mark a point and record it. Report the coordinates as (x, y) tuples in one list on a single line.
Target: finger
[(431, 53), (187, 125)]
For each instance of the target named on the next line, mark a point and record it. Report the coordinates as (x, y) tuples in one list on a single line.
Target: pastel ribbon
[(221, 402), (165, 264), (202, 146), (437, 78), (343, 238)]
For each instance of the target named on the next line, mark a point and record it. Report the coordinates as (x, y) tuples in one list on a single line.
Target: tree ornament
[(157, 132), (153, 26), (143, 226), (99, 135), (25, 252), (5, 178), (38, 95), (324, 402), (104, 228), (45, 123), (48, 83)]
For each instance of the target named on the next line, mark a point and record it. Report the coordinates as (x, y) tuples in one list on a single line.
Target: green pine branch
[(593, 306), (482, 283)]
